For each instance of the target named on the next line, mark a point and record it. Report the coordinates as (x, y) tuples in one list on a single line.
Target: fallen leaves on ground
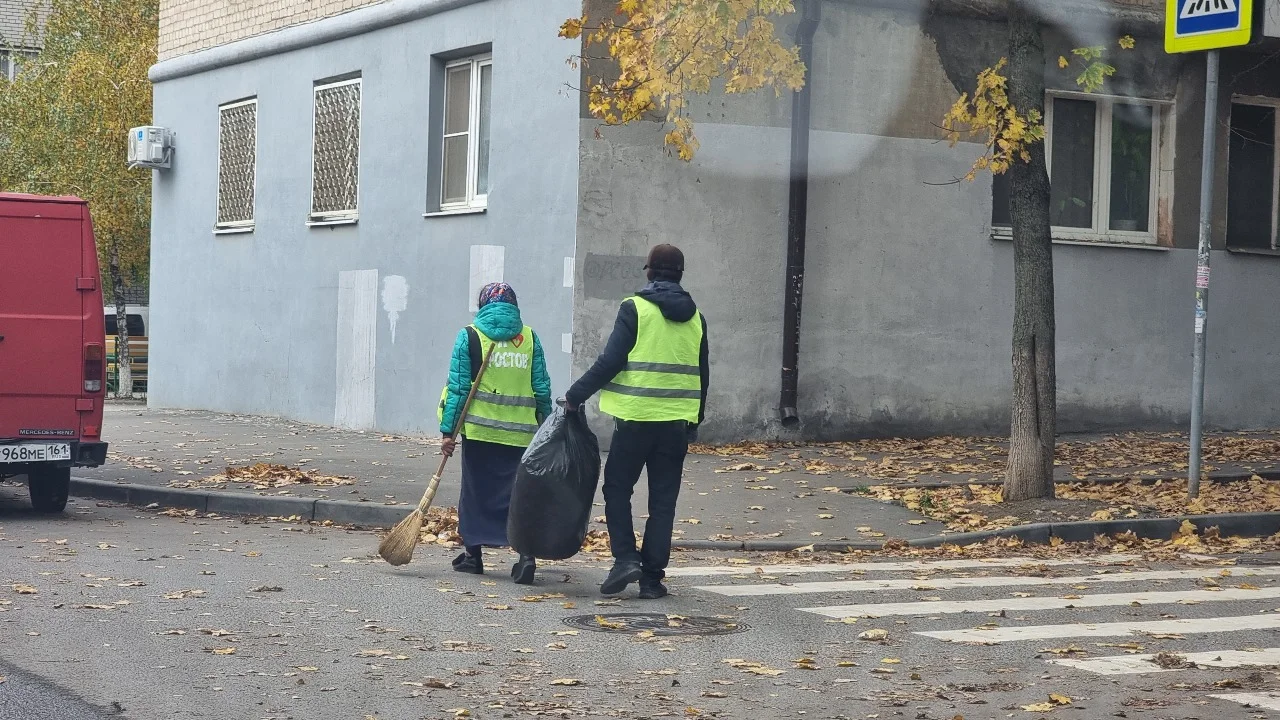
[(567, 682), (899, 459), (1055, 701), (440, 527), (874, 635), (754, 668), (266, 476), (980, 507), (24, 589), (1172, 661)]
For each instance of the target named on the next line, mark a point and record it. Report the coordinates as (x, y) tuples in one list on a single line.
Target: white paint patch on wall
[(566, 342), (487, 262), (568, 272), (357, 340), (395, 299)]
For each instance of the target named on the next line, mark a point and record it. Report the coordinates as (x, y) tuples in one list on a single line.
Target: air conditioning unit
[(151, 147)]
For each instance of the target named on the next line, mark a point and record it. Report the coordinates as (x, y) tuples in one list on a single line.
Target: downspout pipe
[(797, 217)]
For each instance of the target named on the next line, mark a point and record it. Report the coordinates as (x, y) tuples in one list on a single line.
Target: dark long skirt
[(488, 474)]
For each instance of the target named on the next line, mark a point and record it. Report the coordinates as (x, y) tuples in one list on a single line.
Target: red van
[(52, 345)]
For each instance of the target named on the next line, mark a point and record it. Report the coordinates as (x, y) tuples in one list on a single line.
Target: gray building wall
[(908, 299), (257, 323)]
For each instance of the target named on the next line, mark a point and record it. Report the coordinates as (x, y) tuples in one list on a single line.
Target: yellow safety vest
[(504, 410), (663, 379)]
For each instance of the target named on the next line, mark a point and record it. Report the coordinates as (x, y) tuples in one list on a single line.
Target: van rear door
[(41, 317)]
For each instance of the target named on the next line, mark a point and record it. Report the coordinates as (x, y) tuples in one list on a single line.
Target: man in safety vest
[(652, 378)]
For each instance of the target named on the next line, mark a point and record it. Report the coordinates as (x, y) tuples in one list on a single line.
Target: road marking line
[(1141, 664), (978, 582), (1269, 701), (910, 566), (943, 607), (1116, 629)]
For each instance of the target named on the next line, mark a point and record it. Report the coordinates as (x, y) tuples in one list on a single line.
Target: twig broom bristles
[(397, 547)]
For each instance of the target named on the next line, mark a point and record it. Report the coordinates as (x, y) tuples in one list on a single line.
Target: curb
[(340, 512), (1217, 476), (371, 515)]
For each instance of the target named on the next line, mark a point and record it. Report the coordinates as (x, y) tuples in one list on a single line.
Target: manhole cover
[(657, 624)]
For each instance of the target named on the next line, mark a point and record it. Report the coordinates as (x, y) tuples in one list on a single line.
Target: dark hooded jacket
[(676, 305)]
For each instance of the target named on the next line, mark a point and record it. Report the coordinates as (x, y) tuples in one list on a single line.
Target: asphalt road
[(24, 697), (217, 618)]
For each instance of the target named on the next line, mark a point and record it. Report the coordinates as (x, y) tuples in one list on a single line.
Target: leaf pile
[(980, 507), (440, 528), (960, 459), (266, 476)]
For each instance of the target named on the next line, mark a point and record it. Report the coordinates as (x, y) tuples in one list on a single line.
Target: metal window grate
[(237, 155), (336, 160)]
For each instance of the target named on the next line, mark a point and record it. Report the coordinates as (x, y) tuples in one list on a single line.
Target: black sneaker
[(468, 563), (652, 591), (624, 573), (523, 571)]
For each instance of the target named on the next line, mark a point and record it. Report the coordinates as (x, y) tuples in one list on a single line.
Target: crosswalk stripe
[(907, 566), (1115, 629), (1141, 664), (944, 607), (1268, 701), (965, 582)]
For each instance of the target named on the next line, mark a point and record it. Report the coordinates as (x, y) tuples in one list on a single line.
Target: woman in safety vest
[(513, 398)]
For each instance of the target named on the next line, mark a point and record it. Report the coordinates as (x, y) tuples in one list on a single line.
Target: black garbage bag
[(555, 487)]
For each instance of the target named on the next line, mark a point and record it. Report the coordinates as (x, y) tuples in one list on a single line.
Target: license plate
[(35, 452)]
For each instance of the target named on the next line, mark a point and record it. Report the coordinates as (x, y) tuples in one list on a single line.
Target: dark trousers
[(660, 447)]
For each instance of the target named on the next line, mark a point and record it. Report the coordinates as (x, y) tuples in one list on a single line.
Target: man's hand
[(568, 406), (447, 446)]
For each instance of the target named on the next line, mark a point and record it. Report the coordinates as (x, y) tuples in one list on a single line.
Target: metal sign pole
[(1202, 269)]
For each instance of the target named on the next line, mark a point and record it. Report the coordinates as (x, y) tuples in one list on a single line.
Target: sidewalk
[(192, 450), (765, 495)]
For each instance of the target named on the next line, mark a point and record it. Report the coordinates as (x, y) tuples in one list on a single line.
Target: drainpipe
[(797, 217)]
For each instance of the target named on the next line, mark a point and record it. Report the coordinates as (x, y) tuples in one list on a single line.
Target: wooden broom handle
[(434, 485)]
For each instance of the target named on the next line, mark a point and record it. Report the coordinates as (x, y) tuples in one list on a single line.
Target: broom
[(397, 547)]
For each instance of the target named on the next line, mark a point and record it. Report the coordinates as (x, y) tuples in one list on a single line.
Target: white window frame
[(11, 68), (1162, 146), (1270, 102), (238, 226), (335, 217), (473, 201)]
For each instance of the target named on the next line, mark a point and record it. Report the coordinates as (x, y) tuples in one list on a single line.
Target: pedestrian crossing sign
[(1192, 25)]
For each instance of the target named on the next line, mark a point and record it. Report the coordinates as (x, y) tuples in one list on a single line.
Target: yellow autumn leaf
[(1063, 62), (567, 682), (223, 651)]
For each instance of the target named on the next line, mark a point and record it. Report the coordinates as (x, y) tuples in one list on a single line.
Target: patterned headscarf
[(497, 292)]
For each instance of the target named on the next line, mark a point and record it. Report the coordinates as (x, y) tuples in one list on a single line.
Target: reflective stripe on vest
[(504, 410), (662, 380)]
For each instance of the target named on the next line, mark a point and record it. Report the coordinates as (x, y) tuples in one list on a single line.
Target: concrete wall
[(263, 322), (908, 299)]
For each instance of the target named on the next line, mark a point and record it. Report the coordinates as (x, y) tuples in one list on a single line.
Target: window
[(11, 62), (237, 156), (464, 163), (335, 171), (1252, 175), (1103, 156), (132, 323)]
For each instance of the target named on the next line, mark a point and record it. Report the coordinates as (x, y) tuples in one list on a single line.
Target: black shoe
[(652, 590), (522, 572), (624, 573), (468, 563)]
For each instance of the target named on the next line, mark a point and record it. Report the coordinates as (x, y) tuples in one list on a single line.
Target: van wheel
[(49, 489)]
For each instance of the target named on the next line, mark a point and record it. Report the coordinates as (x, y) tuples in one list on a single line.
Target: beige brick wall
[(190, 25)]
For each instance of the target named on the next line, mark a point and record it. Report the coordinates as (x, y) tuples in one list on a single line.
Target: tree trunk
[(124, 364), (1034, 424)]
